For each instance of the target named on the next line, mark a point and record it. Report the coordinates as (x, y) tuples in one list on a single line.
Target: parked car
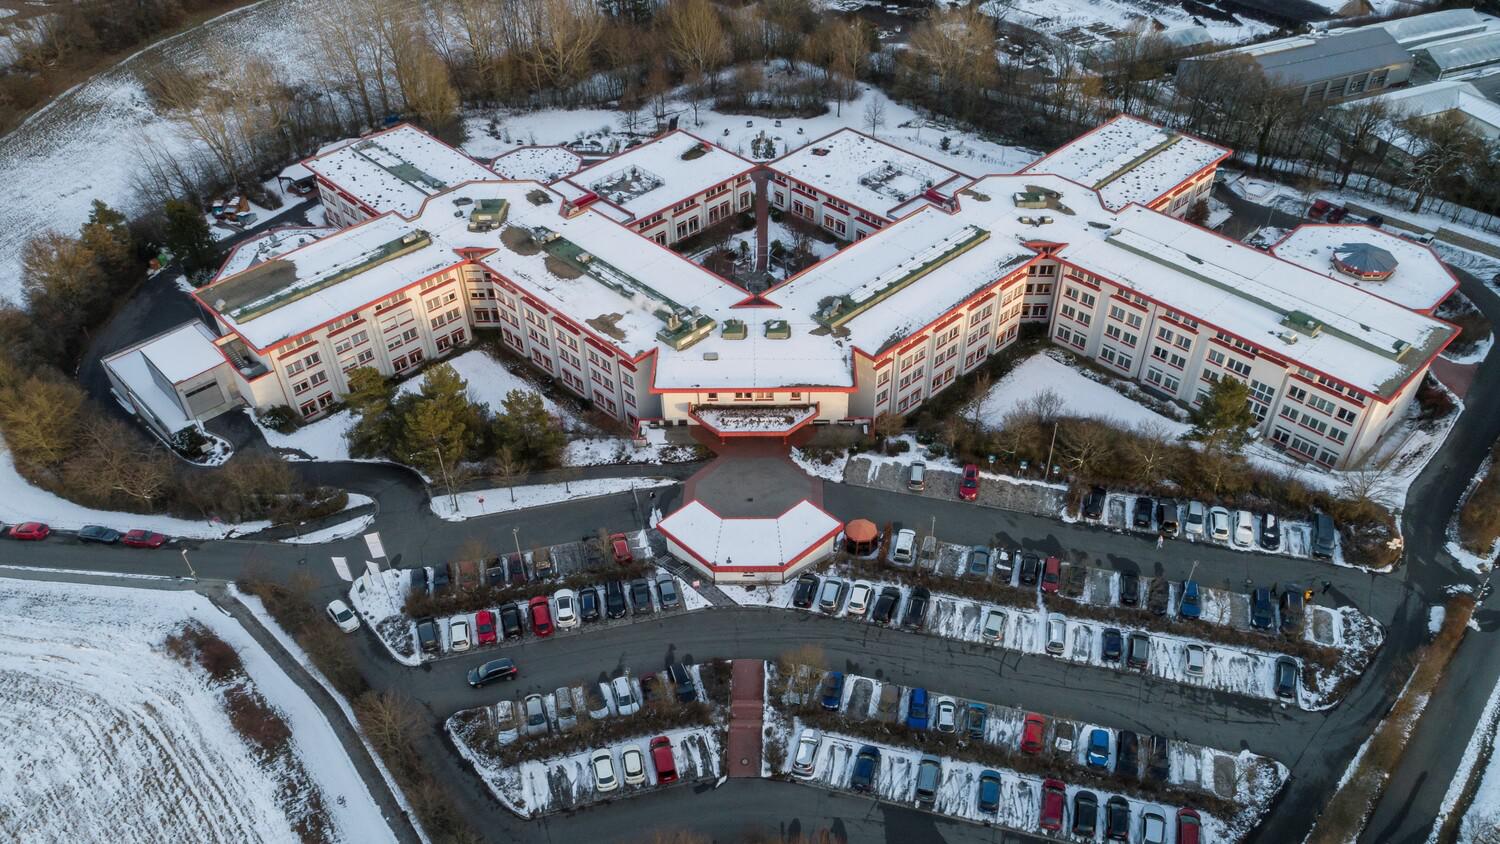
[(1292, 612), (439, 579), (458, 635), (945, 715), (1093, 504), (1319, 209), (1130, 589), (494, 574), (1189, 826), (418, 581), (1117, 819), (916, 608), (633, 765), (1158, 597), (1338, 214), (993, 629), (974, 718), (535, 712), (602, 763), (566, 602), (860, 595), (1195, 660), (989, 791), (562, 699), (1140, 517), (866, 768), (1097, 753), (831, 595), (1244, 529), (929, 777), (650, 689), (1085, 814), (1064, 736), (1054, 797), (904, 549), (1158, 759), (620, 547), (1031, 569), (663, 760), (614, 599), (916, 709), (831, 693), (427, 636), (1051, 575), (1032, 730), (1323, 537), (1128, 755), (340, 614), (806, 591), (917, 480), (484, 627), (1218, 524), (1057, 635), (1262, 612), (1138, 651), (805, 757), (1166, 517), (979, 561), (1191, 605), (682, 680), (99, 534), (885, 605), (510, 620), (588, 604), (30, 531), (627, 702), (667, 592), (1197, 516), (1286, 677), (968, 487), (143, 539), (1153, 827), (1270, 532), (541, 616), (1113, 645), (640, 596), (488, 672)]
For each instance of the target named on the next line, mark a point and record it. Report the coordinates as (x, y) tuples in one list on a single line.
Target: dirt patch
[(1225, 776), (519, 241), (606, 323), (561, 268)]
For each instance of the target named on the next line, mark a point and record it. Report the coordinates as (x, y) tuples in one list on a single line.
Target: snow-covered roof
[(736, 543), (1130, 160), (1464, 53), (1416, 30), (172, 357), (1440, 97), (268, 245), (1306, 59), (1420, 280), (660, 173), (396, 170), (541, 164), (863, 171)]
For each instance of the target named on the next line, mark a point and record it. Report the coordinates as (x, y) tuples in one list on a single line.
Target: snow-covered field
[(1088, 22), (489, 382), (484, 502), (111, 736), (1080, 395)]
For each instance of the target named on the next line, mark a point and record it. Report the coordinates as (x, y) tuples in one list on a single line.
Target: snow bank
[(483, 502)]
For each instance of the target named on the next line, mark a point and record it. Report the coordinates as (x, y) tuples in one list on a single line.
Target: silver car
[(805, 760), (536, 715), (627, 702)]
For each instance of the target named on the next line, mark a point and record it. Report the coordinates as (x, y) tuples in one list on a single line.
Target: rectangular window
[(1238, 367)]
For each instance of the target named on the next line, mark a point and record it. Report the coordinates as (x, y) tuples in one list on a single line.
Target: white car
[(859, 599), (1195, 658), (945, 718), (633, 765), (458, 635), (1196, 516), (603, 765), (626, 700), (343, 617), (905, 547), (1057, 635), (805, 760), (994, 627), (565, 612), (1218, 524), (1244, 529)]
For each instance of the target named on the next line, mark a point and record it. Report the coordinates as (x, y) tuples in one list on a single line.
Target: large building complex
[(1332, 332)]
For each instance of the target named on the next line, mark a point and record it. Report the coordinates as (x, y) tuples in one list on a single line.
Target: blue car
[(1192, 604), (833, 691), (866, 767), (916, 710), (1262, 611), (989, 791), (1098, 756)]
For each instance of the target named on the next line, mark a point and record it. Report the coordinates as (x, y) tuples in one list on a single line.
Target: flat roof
[(541, 164), (397, 169), (864, 171), (1303, 60), (176, 355), (271, 244), (661, 172), (1420, 281), (1130, 160)]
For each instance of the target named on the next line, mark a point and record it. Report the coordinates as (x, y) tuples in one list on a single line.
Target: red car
[(661, 757), (541, 616), (30, 531), (144, 539), (1187, 826), (621, 546), (1031, 733), (1319, 209), (968, 488), (484, 627), (1051, 574), (1054, 795)]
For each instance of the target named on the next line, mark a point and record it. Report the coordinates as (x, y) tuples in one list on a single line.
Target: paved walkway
[(762, 213), (1458, 377), (746, 717), (750, 478)]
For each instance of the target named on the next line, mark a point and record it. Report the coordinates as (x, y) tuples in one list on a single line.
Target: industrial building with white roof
[(888, 321)]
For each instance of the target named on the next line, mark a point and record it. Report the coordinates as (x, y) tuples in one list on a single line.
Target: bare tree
[(1446, 145), (1358, 125), (1046, 406), (874, 113), (695, 37), (1085, 443), (1149, 450)]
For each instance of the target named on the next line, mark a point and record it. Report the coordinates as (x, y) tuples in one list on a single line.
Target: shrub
[(279, 418), (194, 643), (256, 721), (1479, 518)]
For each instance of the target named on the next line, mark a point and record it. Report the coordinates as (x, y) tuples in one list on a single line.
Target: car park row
[(96, 534)]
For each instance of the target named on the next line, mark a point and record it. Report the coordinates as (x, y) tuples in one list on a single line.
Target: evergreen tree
[(1223, 419), (529, 431), (441, 426), (188, 237)]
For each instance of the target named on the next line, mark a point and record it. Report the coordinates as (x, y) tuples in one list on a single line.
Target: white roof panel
[(865, 172), (659, 173), (396, 170)]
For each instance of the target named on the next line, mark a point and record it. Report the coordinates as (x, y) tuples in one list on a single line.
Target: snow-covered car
[(1196, 517), (804, 760), (627, 702), (859, 599), (1218, 524), (1244, 528), (1057, 635), (566, 602), (945, 715), (341, 615), (602, 763), (567, 716), (994, 627), (1195, 659), (458, 635), (1153, 827), (633, 765), (535, 711)]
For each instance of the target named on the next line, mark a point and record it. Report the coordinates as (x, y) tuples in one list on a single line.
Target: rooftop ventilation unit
[(734, 329), (1303, 323), (778, 329)]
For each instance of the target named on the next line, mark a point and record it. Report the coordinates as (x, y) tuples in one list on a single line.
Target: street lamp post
[(443, 467), (189, 563), (515, 533)]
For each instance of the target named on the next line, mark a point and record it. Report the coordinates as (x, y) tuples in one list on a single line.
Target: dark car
[(614, 599), (916, 709), (1140, 518), (1085, 814), (1262, 613), (1286, 677), (516, 566), (1051, 575), (807, 591), (682, 679), (1338, 214), (979, 561), (916, 608), (1138, 652), (1191, 605), (1158, 759), (974, 718), (1166, 517), (1291, 610), (439, 579), (640, 596), (650, 689), (427, 636), (1159, 597), (588, 603), (1117, 819), (1130, 589), (495, 669), (1270, 531), (1128, 755), (1093, 506), (1323, 537), (831, 693), (418, 581), (494, 576), (989, 791), (1114, 645), (666, 590), (885, 605), (1054, 800), (510, 620), (866, 768), (1031, 569), (99, 534)]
